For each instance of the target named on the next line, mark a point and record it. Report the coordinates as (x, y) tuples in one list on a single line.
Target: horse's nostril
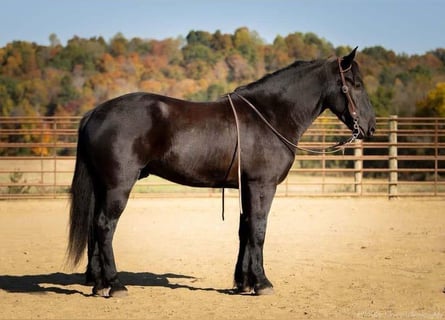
[(371, 131)]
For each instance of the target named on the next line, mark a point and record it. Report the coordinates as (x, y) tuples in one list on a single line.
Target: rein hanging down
[(340, 146)]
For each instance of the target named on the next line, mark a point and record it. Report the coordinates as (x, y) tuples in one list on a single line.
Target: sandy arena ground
[(328, 259)]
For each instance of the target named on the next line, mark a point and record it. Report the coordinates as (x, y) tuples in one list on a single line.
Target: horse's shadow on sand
[(56, 282)]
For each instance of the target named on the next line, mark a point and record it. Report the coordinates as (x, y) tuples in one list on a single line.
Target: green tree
[(118, 45), (6, 102), (213, 92), (199, 37), (246, 43), (78, 51), (67, 91), (381, 101), (198, 51), (221, 42)]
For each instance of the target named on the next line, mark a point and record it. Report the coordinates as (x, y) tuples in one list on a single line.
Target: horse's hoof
[(243, 290), (120, 292), (104, 292), (264, 291)]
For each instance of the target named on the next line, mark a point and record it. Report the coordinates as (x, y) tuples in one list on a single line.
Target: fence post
[(392, 152), (55, 136), (436, 157), (358, 167)]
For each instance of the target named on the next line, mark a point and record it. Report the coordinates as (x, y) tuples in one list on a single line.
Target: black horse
[(196, 144)]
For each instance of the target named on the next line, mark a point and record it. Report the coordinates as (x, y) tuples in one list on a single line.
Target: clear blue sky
[(405, 26)]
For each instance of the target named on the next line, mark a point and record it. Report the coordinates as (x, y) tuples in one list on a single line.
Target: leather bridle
[(332, 149), (351, 104)]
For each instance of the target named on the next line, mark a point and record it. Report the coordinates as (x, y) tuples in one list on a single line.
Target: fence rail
[(406, 157)]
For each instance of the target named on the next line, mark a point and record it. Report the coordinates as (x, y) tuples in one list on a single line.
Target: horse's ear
[(346, 61)]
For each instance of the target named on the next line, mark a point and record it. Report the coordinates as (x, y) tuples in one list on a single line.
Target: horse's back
[(172, 138), (126, 116), (133, 108)]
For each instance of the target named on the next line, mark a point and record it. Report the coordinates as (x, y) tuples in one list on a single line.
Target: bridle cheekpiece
[(350, 102)]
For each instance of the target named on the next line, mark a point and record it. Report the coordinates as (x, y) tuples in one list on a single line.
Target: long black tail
[(82, 203)]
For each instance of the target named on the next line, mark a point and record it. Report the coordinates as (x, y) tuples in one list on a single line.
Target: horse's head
[(346, 96)]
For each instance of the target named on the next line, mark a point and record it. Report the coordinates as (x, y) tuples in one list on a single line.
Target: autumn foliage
[(70, 79)]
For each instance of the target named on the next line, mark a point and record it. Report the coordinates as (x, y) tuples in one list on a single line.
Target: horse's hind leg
[(113, 202), (94, 269), (107, 282)]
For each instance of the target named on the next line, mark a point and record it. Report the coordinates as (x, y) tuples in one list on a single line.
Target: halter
[(335, 148)]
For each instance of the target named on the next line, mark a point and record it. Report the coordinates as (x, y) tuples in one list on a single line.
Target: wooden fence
[(406, 157)]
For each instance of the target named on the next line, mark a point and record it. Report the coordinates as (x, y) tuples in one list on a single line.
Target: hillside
[(71, 79)]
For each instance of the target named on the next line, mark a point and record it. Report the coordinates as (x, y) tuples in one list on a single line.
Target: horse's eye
[(357, 85)]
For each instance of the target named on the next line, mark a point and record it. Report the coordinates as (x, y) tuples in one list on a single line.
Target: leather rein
[(335, 148)]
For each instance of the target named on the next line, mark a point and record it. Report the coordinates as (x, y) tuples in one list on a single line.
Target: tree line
[(70, 79)]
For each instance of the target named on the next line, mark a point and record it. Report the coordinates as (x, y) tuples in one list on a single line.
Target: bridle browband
[(335, 148)]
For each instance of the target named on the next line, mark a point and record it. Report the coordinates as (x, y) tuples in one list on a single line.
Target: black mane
[(295, 65)]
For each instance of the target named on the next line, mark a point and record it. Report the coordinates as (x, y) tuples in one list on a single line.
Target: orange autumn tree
[(434, 103)]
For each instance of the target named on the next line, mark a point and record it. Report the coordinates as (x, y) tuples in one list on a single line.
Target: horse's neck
[(290, 107)]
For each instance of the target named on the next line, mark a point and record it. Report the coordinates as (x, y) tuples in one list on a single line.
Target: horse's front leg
[(249, 271), (244, 282)]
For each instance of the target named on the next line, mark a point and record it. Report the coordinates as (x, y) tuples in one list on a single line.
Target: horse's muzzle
[(363, 133)]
